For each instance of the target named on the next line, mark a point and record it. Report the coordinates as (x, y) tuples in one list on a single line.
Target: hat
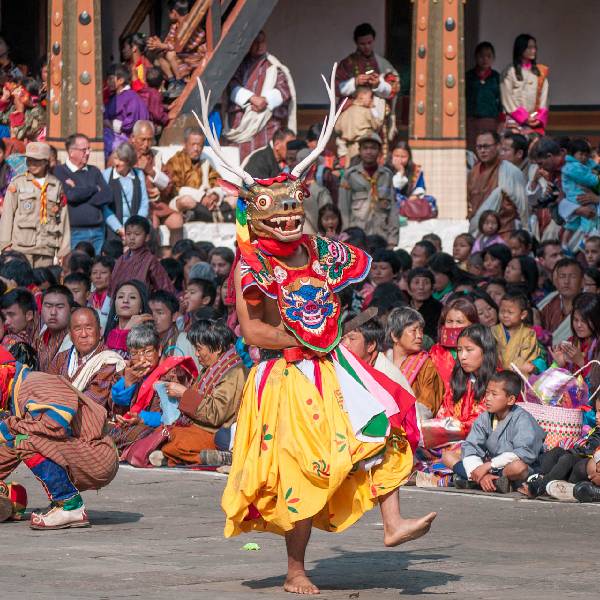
[(37, 150), (203, 270), (360, 319), (370, 137)]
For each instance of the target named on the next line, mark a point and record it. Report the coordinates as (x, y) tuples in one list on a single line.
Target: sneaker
[(503, 485), (215, 458), (464, 484), (561, 490), (536, 485), (59, 518), (586, 491), (157, 459)]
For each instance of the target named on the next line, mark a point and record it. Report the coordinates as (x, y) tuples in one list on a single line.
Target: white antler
[(328, 125), (213, 141)]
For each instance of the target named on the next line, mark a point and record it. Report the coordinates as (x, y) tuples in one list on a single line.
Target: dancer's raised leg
[(396, 529)]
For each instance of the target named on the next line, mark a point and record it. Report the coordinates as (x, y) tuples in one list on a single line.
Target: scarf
[(89, 368), (209, 379), (412, 364), (43, 200), (276, 247), (146, 391)]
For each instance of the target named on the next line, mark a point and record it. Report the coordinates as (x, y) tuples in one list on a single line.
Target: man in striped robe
[(59, 434)]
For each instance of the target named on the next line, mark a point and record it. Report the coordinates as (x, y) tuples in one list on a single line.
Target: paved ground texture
[(158, 534)]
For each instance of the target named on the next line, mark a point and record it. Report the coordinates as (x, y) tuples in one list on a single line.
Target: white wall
[(568, 41), (308, 36)]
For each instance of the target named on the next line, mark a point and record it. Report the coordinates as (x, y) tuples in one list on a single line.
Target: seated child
[(579, 175), (358, 120), (99, 299), (488, 227), (138, 261), (567, 466), (461, 250), (505, 442), (517, 342), (79, 284)]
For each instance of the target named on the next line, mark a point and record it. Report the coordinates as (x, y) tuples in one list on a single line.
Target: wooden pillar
[(437, 112), (75, 72)]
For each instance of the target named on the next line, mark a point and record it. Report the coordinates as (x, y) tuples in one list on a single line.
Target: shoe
[(157, 459), (536, 485), (59, 518), (215, 458), (561, 490), (464, 484), (586, 491), (427, 480), (503, 485)]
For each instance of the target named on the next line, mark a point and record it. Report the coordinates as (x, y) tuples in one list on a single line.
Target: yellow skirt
[(295, 456)]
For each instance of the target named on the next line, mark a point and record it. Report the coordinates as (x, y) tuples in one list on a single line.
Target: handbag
[(137, 454), (417, 208)]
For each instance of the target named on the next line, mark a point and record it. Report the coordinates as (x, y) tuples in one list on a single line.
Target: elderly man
[(262, 99), (157, 181), (35, 220), (366, 68), (59, 434), (86, 191), (54, 334), (88, 364), (496, 184), (366, 197), (193, 182), (555, 308)]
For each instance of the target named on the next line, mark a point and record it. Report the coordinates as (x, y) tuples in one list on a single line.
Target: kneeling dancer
[(321, 436), (59, 434)]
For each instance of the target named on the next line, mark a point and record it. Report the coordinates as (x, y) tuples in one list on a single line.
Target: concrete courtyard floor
[(158, 534)]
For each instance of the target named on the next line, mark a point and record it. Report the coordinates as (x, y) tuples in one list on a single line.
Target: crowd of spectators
[(150, 331)]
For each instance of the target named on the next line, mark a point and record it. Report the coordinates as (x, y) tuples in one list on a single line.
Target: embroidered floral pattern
[(321, 468), (265, 437), (341, 441), (290, 501)]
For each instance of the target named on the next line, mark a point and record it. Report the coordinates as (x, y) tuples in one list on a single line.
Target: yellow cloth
[(297, 457), (520, 349)]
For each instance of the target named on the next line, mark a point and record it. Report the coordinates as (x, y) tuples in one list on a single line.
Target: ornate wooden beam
[(75, 69)]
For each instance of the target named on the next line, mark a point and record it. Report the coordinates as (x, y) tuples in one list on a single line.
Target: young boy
[(18, 310), (359, 119), (165, 308), (505, 442), (199, 295), (591, 250), (80, 287), (517, 342), (138, 262)]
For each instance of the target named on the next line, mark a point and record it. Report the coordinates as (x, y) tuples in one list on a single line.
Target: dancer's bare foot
[(408, 530), (299, 583)]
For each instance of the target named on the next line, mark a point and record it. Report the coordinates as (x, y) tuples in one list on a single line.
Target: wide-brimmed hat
[(37, 150)]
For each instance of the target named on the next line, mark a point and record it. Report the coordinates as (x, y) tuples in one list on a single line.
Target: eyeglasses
[(484, 146), (144, 353)]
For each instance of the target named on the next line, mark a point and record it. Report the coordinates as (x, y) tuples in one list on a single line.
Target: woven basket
[(562, 425)]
